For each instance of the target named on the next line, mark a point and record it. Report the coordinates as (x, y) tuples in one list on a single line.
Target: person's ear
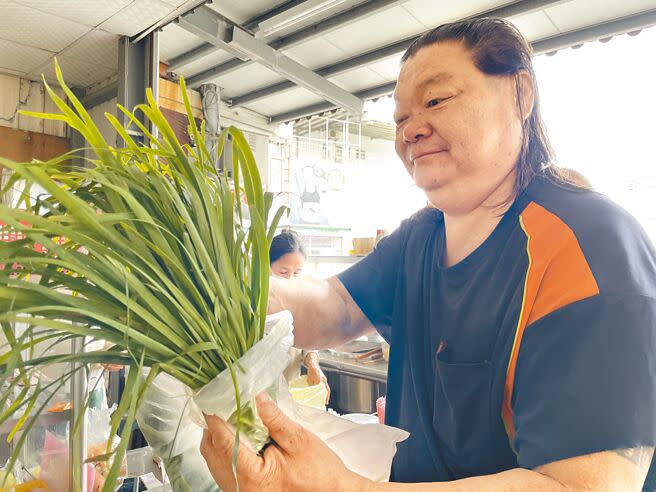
[(525, 90)]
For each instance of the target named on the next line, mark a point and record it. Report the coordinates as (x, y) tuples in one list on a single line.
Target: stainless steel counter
[(373, 371)]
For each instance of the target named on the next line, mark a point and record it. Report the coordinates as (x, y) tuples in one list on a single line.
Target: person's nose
[(415, 129)]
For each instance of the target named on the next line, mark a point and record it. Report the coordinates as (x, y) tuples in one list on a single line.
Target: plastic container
[(311, 396), (380, 409), (386, 350)]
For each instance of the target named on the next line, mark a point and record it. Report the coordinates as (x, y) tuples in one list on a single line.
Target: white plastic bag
[(171, 416), (309, 395), (171, 419)]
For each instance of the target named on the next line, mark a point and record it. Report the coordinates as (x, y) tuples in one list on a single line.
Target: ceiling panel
[(581, 13), (432, 13), (76, 72), (376, 30), (21, 59), (137, 16), (356, 80), (287, 101), (387, 68), (30, 27), (252, 76), (173, 41), (534, 26), (87, 12), (96, 47), (316, 53)]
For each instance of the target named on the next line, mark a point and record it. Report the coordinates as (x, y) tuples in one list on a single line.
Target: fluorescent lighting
[(297, 14)]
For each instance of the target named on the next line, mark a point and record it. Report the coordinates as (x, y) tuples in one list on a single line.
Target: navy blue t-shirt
[(539, 346)]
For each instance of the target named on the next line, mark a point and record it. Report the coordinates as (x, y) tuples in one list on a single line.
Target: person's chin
[(430, 182)]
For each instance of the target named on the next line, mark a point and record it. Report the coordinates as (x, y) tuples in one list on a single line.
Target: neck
[(466, 232)]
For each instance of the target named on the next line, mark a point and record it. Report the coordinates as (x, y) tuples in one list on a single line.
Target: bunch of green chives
[(145, 248)]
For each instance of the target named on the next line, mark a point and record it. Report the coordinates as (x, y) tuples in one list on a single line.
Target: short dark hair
[(498, 48), (284, 243)]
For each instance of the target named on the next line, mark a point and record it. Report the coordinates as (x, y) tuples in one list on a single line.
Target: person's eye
[(436, 101)]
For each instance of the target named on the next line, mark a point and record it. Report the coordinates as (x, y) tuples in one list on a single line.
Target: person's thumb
[(282, 429)]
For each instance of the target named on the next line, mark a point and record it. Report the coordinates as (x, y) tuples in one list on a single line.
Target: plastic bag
[(171, 416), (98, 429), (171, 419), (311, 396)]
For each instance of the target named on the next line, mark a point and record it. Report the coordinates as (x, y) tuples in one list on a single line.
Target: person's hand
[(113, 367), (314, 373), (297, 460)]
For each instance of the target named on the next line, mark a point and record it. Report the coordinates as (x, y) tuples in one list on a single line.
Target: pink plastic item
[(380, 409)]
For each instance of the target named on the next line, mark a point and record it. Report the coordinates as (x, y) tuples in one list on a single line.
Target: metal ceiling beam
[(547, 45), (206, 48), (187, 6), (189, 57), (612, 28), (522, 7), (286, 42), (294, 71), (329, 70), (214, 29), (138, 71), (101, 95), (370, 93), (211, 28)]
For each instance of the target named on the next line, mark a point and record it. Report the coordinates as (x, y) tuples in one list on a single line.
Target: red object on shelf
[(380, 409), (8, 235)]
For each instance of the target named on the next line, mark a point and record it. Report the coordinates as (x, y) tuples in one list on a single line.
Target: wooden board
[(170, 97), (23, 146)]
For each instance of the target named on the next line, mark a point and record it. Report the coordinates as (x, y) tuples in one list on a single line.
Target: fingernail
[(265, 404), (210, 418)]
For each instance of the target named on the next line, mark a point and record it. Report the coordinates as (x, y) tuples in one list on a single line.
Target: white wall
[(21, 94), (259, 145)]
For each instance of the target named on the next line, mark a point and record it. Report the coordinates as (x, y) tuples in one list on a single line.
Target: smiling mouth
[(426, 154)]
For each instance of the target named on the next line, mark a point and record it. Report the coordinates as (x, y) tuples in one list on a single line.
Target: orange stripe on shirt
[(558, 275)]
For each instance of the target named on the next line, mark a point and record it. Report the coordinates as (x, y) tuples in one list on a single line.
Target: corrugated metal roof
[(353, 44), (548, 24)]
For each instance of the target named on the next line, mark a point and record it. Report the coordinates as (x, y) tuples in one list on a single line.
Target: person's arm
[(299, 461), (621, 470), (330, 312), (325, 314)]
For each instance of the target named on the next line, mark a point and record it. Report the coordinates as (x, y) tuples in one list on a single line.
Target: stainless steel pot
[(353, 394)]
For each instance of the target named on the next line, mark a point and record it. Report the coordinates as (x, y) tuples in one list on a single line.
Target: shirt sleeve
[(586, 380), (371, 282)]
